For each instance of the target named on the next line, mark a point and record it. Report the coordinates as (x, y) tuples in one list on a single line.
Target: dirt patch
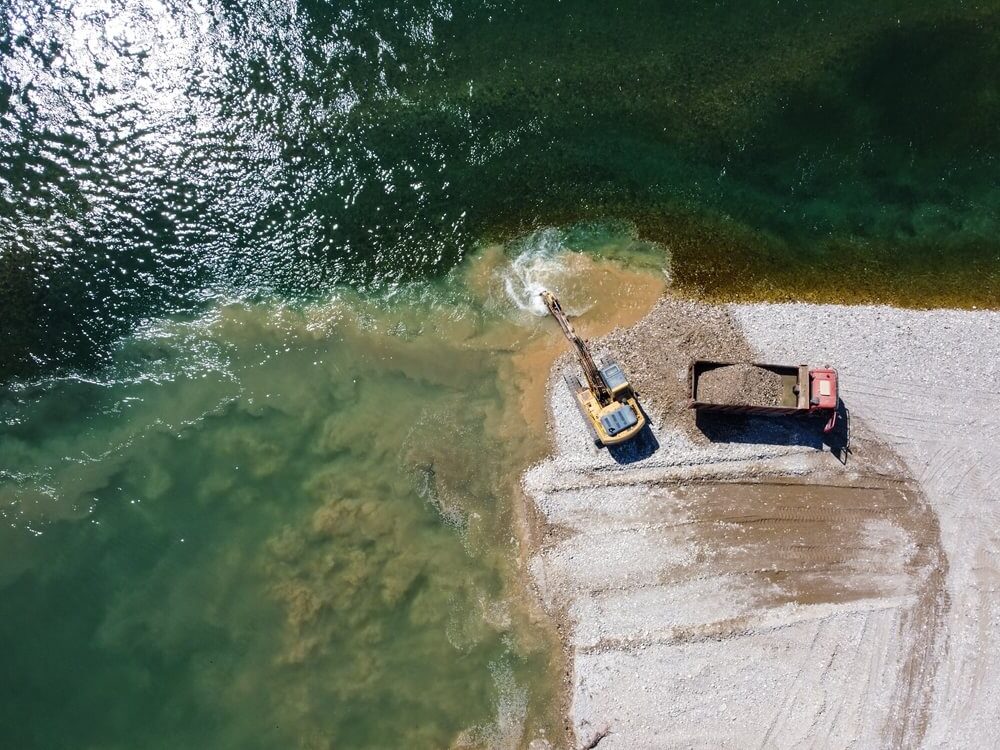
[(657, 350), (808, 543)]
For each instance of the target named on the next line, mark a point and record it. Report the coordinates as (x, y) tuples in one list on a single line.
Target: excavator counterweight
[(606, 399)]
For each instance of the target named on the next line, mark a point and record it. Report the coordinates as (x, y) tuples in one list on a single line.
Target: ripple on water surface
[(274, 526), (165, 151)]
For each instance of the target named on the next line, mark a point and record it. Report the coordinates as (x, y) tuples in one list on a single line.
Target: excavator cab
[(615, 379), (623, 417)]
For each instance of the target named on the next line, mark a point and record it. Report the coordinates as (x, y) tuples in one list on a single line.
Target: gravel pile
[(655, 354), (741, 384)]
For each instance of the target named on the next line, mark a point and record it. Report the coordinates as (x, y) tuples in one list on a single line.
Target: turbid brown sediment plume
[(740, 384)]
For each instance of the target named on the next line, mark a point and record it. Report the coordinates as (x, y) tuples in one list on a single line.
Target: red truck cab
[(823, 388), (823, 393)]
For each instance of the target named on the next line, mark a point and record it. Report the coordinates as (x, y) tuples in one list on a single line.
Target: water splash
[(544, 262)]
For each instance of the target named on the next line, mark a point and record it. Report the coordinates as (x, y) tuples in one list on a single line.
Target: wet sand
[(741, 582)]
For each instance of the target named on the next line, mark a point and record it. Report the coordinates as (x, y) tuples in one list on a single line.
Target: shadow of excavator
[(641, 447)]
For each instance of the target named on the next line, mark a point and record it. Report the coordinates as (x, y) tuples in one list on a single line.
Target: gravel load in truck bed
[(740, 384)]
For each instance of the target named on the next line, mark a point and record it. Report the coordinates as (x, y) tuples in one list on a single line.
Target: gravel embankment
[(742, 582), (928, 382)]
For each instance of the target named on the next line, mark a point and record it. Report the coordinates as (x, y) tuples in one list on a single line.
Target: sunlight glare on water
[(163, 152)]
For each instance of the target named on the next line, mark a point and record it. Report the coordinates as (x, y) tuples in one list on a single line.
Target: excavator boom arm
[(590, 370)]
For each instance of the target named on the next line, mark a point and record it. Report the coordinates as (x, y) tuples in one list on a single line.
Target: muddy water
[(274, 526)]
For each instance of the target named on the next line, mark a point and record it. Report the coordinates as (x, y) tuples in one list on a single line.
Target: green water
[(162, 151), (274, 527), (257, 448)]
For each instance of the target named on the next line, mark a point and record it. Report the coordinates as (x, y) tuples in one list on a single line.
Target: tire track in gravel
[(926, 381), (754, 576)]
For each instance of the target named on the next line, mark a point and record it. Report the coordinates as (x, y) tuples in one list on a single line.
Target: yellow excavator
[(606, 399)]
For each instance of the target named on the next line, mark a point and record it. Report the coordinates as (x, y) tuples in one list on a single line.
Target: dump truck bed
[(793, 397)]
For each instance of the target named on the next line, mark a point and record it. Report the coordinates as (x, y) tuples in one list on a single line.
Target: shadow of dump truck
[(804, 430)]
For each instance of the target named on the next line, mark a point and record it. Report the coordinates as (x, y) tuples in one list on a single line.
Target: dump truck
[(605, 398), (764, 389)]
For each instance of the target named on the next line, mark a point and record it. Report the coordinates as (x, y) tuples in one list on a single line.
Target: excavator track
[(575, 386)]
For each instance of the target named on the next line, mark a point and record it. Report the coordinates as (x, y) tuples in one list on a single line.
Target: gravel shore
[(740, 582)]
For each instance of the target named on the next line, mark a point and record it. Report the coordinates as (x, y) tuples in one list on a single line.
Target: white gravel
[(930, 383), (783, 618)]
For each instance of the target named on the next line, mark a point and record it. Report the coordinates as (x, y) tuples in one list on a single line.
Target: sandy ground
[(741, 582)]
